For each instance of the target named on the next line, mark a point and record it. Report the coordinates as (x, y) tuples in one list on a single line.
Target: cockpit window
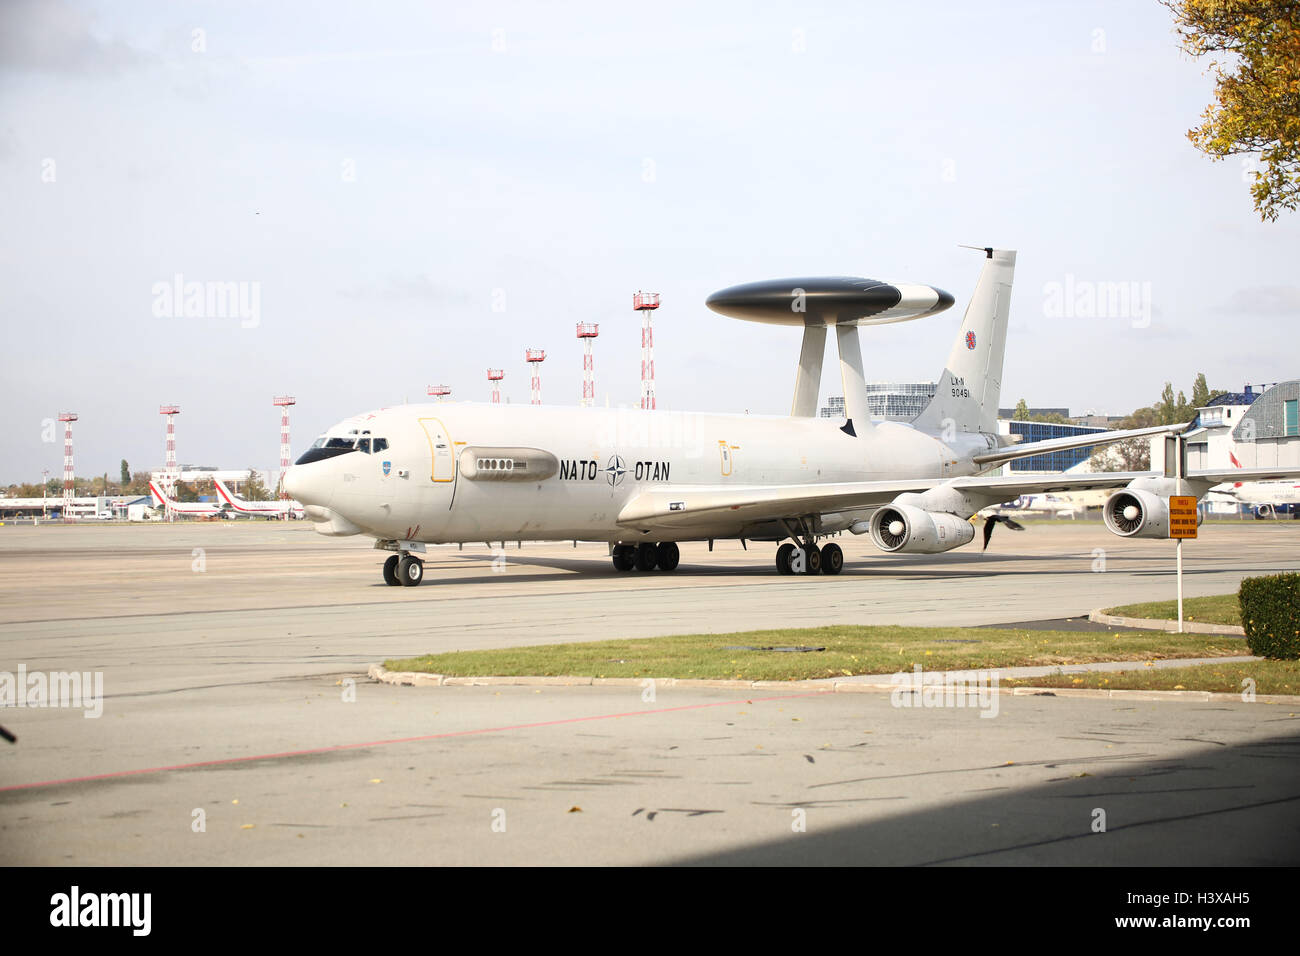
[(364, 445), (340, 443), (379, 444)]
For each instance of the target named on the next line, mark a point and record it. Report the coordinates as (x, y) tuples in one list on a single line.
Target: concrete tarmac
[(242, 648)]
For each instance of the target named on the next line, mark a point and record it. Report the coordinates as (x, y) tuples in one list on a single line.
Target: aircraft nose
[(305, 485)]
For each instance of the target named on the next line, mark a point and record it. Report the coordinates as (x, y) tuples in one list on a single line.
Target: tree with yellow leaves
[(1257, 89)]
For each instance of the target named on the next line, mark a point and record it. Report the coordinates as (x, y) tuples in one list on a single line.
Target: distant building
[(1243, 429), (1073, 458), (1209, 440), (1010, 413), (890, 401), (1093, 420), (834, 407)]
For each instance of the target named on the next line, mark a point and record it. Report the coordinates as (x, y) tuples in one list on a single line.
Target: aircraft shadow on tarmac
[(1228, 805), (913, 567)]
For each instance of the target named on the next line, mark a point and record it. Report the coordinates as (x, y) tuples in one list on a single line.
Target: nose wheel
[(405, 570)]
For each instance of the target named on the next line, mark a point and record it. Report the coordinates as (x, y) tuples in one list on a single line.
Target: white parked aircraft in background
[(645, 480), (195, 509), (262, 509), (1267, 497), (1264, 499)]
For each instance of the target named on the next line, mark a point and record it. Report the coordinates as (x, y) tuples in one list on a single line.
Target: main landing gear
[(809, 559), (405, 569), (647, 556)]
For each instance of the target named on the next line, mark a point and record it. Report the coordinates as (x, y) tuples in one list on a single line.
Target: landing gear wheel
[(669, 556), (390, 571), (410, 571), (783, 555), (624, 557), (647, 556), (812, 560), (832, 559)]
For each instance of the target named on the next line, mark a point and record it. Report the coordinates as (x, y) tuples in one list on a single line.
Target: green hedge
[(1270, 613)]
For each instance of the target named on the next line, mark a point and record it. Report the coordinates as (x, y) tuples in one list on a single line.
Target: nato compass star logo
[(970, 340), (615, 469)]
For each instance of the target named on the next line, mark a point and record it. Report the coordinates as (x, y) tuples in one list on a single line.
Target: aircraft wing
[(684, 506)]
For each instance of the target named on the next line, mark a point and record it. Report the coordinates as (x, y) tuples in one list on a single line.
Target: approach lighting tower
[(439, 391), (646, 303), (495, 375), (587, 331), (285, 402), (535, 358), (173, 475), (68, 477)]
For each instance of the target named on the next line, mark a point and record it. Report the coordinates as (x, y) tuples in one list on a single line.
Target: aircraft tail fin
[(159, 499), (969, 388)]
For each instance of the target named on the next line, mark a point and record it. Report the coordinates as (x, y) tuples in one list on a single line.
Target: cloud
[(414, 288), (1265, 300), (51, 36)]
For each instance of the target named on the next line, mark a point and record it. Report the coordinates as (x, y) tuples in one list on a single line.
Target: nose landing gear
[(405, 570)]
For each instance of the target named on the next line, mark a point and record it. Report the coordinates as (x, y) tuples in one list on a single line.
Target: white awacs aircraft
[(263, 509), (645, 480)]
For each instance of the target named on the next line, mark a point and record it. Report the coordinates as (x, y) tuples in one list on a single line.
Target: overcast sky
[(416, 191)]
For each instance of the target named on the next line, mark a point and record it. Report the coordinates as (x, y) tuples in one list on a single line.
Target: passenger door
[(442, 451)]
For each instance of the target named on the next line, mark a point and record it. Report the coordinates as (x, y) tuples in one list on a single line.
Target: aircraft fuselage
[(465, 472)]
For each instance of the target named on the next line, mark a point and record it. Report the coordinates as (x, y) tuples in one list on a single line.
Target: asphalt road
[(241, 649)]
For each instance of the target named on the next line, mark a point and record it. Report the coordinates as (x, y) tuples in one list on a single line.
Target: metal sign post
[(1182, 511)]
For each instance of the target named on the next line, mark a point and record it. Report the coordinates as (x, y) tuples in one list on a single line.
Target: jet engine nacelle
[(911, 530), (1133, 513)]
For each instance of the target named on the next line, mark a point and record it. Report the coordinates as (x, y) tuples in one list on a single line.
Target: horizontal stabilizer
[(1073, 441)]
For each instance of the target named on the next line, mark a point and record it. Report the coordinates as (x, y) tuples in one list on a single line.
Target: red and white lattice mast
[(587, 331), (172, 472), (285, 402), (495, 375), (535, 358), (439, 391), (69, 478), (646, 303)]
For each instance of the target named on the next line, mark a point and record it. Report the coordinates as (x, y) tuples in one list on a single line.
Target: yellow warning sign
[(1182, 516)]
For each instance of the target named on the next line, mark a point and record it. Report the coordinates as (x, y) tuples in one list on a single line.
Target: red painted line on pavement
[(402, 740)]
